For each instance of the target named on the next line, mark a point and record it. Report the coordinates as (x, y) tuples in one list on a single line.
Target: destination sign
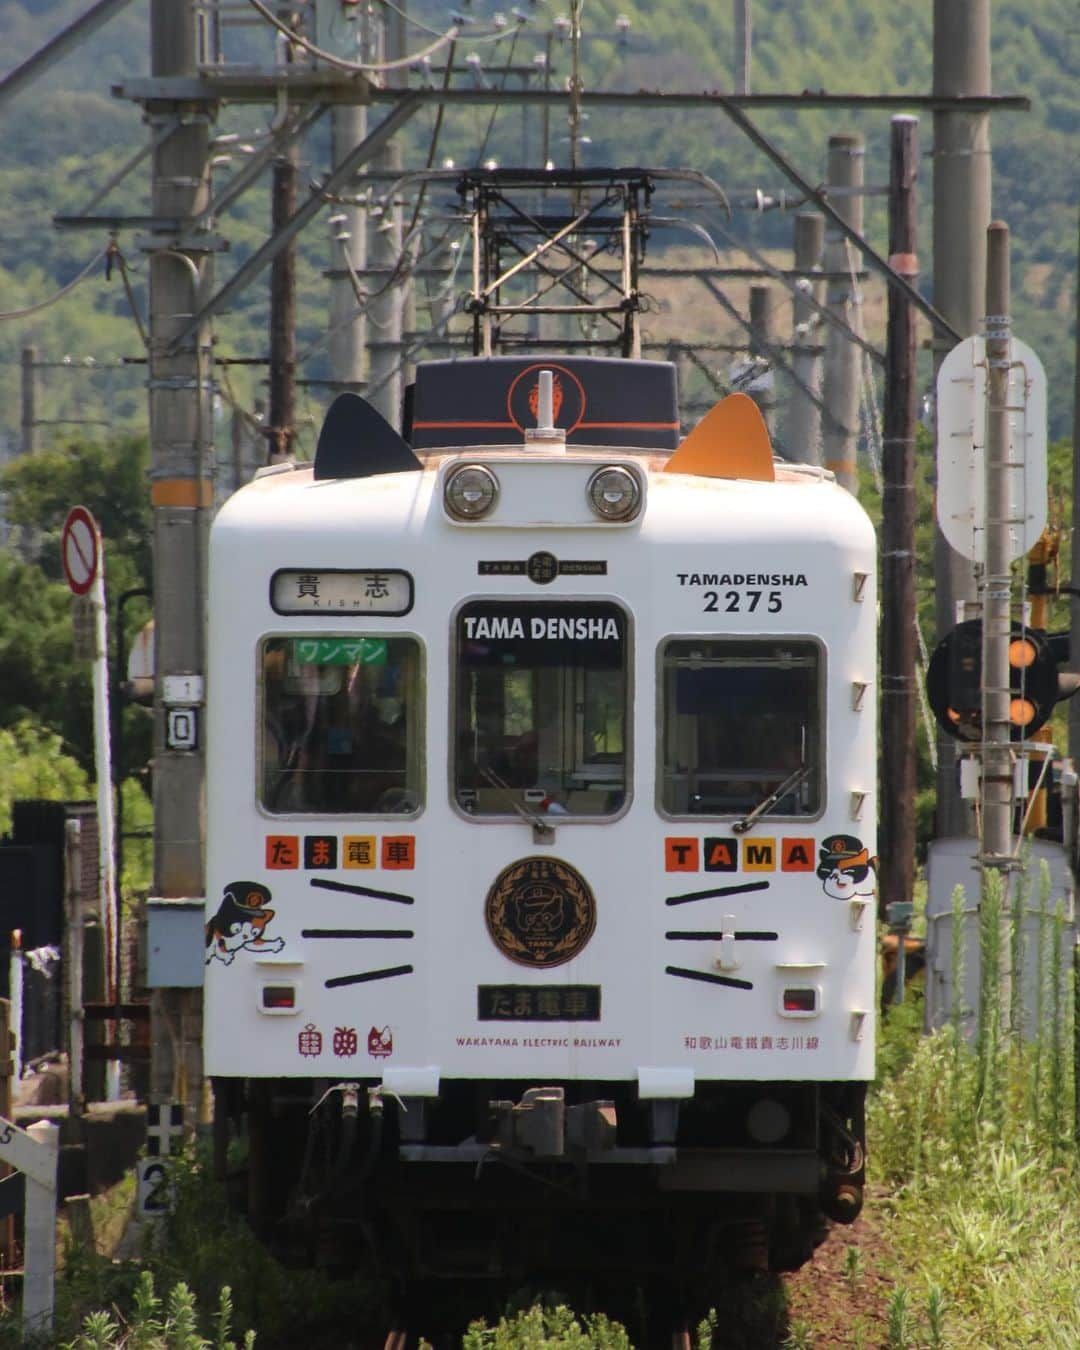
[(334, 592)]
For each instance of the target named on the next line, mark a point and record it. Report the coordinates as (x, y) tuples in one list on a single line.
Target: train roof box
[(493, 400)]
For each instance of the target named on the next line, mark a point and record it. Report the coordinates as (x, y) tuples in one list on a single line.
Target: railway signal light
[(954, 680)]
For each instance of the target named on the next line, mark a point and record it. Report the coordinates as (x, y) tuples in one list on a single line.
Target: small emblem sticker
[(540, 912), (380, 1044)]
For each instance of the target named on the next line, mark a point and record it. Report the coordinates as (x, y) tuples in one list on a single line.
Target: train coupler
[(541, 1125)]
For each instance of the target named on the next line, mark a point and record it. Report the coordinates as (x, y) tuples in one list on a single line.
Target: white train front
[(541, 798)]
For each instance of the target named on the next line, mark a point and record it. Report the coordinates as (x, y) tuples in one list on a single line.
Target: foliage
[(202, 1237), (33, 765), (38, 673), (977, 1144), (190, 1253), (548, 1329), (109, 478), (154, 1327)]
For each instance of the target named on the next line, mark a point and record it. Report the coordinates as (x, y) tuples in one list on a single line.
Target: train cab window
[(740, 722), (540, 718), (341, 725)]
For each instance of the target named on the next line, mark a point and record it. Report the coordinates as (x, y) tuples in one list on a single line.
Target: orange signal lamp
[(1022, 653)]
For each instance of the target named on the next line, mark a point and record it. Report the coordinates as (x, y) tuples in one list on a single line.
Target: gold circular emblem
[(540, 912)]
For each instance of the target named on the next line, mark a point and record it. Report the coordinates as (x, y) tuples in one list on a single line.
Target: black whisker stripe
[(690, 896), (367, 975), (709, 936), (706, 978), (357, 933), (373, 894)]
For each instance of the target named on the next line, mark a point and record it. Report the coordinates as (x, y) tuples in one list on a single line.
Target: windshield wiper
[(763, 807), (541, 828)]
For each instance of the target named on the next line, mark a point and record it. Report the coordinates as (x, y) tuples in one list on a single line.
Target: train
[(541, 798)]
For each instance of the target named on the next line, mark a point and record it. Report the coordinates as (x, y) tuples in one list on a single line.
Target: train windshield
[(341, 725), (741, 719), (540, 708)]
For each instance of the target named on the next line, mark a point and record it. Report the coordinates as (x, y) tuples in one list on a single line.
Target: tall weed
[(978, 1143)]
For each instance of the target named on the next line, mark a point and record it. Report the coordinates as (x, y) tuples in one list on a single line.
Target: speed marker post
[(83, 563)]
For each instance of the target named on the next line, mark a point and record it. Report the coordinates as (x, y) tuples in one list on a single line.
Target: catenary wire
[(64, 290)]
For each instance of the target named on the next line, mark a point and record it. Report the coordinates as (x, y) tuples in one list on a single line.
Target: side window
[(341, 725), (740, 721), (540, 718)]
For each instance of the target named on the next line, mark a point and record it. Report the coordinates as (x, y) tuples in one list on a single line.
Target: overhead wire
[(433, 146), (113, 253), (355, 67), (789, 284), (376, 67), (924, 702), (495, 110), (415, 23), (64, 290), (868, 404), (365, 298)]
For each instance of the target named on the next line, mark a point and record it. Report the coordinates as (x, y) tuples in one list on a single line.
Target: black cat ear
[(356, 441)]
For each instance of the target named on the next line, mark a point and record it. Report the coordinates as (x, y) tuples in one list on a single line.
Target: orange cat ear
[(730, 441)]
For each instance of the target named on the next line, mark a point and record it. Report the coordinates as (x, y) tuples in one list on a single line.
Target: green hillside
[(64, 137)]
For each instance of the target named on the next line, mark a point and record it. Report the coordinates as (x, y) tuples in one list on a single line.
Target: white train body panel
[(688, 567)]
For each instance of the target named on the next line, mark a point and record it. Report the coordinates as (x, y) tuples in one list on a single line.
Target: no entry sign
[(79, 551)]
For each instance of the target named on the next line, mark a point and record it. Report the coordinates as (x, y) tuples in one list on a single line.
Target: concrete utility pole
[(761, 339), (283, 200), (996, 793), (282, 428), (842, 360), (348, 249), (181, 494), (29, 400), (743, 43), (996, 582), (898, 704), (348, 230), (1074, 599), (804, 416), (961, 216), (386, 312)]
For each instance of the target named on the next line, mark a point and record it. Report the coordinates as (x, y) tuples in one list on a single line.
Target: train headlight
[(614, 493), (471, 492)]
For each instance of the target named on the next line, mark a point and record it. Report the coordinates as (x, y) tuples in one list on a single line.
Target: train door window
[(341, 725), (540, 715), (741, 721)]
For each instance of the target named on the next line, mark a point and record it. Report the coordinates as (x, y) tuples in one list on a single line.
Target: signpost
[(34, 1152), (81, 555), (80, 549), (962, 447), (992, 507)]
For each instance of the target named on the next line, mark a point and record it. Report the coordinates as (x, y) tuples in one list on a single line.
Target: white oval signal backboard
[(961, 449)]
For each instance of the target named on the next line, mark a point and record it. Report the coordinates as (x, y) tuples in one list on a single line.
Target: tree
[(33, 765), (39, 676)]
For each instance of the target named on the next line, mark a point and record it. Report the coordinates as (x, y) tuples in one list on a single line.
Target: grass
[(978, 1146)]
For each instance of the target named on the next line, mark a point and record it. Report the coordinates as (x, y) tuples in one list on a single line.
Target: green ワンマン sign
[(340, 651)]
